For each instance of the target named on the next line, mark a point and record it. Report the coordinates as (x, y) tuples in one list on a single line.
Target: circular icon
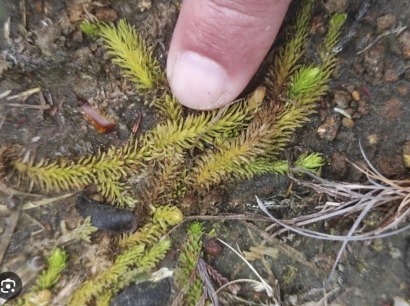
[(10, 285)]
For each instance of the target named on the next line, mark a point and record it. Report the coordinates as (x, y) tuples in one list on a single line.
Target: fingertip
[(198, 82), (217, 47)]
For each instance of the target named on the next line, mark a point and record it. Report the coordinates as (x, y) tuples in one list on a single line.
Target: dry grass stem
[(347, 199), (24, 94), (5, 93), (29, 106), (397, 31), (47, 201), (6, 236), (260, 285)]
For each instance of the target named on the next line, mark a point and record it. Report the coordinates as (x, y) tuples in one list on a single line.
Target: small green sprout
[(89, 28), (311, 162), (189, 285), (56, 264), (305, 82), (131, 53)]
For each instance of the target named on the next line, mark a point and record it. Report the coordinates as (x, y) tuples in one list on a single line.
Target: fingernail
[(197, 81)]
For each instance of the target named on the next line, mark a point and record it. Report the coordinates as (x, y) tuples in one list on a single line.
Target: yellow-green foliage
[(238, 141), (327, 49), (335, 24), (39, 295), (305, 82), (80, 232), (310, 162), (162, 218), (188, 283), (56, 263), (269, 132), (168, 106), (185, 133), (143, 250), (167, 216), (90, 28), (289, 56), (104, 169), (215, 166), (131, 53)]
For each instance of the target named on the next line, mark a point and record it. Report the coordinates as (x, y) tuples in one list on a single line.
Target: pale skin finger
[(217, 47)]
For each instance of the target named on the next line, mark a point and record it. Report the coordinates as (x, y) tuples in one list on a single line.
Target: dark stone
[(106, 217), (144, 294)]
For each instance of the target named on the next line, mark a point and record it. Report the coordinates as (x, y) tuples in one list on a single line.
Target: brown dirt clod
[(392, 109), (342, 99), (329, 129), (386, 22), (405, 44)]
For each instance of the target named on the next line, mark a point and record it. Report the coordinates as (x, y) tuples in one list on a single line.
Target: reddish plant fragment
[(100, 123), (366, 91)]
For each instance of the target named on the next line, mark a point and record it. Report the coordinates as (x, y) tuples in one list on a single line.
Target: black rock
[(105, 216), (144, 294)]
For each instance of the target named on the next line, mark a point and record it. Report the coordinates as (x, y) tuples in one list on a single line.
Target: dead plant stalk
[(351, 198)]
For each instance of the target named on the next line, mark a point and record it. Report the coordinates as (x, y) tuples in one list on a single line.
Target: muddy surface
[(368, 102)]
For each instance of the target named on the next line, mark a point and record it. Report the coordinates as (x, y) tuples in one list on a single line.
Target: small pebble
[(293, 299), (363, 107), (36, 263), (75, 11), (349, 111), (386, 22), (403, 90), (391, 76), (348, 123), (328, 130), (93, 47), (106, 14), (336, 6), (213, 247), (373, 139), (392, 110), (405, 44), (144, 5), (356, 95), (341, 99), (406, 154), (356, 115), (407, 74), (78, 36), (374, 62)]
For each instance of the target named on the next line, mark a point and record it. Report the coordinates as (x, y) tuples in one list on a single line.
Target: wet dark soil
[(371, 85)]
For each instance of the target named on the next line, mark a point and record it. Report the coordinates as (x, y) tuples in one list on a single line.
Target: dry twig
[(354, 198)]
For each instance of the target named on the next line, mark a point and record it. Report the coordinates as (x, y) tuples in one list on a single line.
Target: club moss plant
[(186, 153)]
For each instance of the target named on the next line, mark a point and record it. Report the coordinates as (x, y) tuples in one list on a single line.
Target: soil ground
[(47, 50)]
